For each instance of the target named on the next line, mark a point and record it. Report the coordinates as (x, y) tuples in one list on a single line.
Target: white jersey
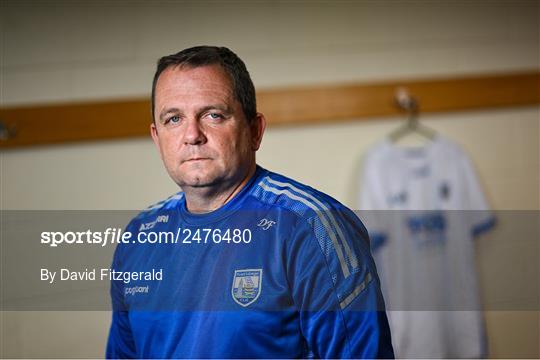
[(423, 246)]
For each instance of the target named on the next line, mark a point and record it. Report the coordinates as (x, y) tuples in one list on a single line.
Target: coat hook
[(405, 101), (7, 133)]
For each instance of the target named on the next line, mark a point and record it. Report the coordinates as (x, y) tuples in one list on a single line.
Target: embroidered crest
[(246, 286)]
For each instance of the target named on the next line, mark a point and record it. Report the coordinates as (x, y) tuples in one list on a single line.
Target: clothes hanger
[(406, 102)]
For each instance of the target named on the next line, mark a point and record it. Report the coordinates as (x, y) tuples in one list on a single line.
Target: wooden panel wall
[(48, 124)]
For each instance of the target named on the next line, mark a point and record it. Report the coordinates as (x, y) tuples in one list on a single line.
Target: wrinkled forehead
[(190, 89), (202, 76), (193, 84)]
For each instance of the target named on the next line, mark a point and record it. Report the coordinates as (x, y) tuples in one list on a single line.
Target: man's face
[(200, 129)]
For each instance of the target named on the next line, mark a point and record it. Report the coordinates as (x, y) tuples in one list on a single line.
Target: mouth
[(196, 159)]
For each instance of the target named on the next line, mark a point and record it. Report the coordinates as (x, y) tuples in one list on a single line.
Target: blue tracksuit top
[(280, 271)]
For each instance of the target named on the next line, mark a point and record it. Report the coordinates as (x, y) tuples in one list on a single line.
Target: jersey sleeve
[(481, 218), (342, 313), (120, 344)]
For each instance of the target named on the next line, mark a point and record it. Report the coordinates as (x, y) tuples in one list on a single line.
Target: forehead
[(192, 80)]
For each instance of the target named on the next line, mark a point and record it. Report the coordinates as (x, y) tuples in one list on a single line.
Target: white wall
[(71, 51)]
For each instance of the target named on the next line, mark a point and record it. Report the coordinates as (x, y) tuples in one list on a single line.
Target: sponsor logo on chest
[(149, 225)]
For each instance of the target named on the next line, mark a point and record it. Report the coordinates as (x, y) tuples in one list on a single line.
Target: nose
[(193, 134)]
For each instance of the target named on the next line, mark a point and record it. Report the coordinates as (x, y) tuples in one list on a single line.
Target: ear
[(257, 131), (155, 136)]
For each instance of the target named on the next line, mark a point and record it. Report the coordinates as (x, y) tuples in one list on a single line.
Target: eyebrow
[(168, 111), (226, 109)]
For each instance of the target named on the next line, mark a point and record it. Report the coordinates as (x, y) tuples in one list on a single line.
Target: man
[(262, 266)]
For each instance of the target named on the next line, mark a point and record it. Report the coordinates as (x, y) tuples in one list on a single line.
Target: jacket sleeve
[(120, 344), (336, 288)]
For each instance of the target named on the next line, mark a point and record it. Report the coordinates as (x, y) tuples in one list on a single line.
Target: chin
[(199, 181)]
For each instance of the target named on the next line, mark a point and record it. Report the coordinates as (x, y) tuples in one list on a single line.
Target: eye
[(173, 119), (215, 116)]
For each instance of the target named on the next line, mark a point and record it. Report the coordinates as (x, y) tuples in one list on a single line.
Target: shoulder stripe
[(324, 221), (326, 211), (356, 291), (160, 204)]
